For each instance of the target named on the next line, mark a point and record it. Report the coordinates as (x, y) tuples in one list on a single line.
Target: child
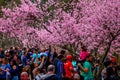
[(14, 72)]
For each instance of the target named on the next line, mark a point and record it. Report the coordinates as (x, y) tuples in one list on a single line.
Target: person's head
[(83, 48), (62, 52), (75, 58), (7, 54), (16, 48), (35, 51), (1, 48), (24, 49), (24, 76), (15, 57), (107, 63), (69, 57), (89, 57), (11, 48), (37, 71), (60, 57), (51, 68), (76, 77), (4, 60), (13, 62), (25, 53)]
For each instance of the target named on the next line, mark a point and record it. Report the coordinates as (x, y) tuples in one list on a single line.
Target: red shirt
[(68, 69), (113, 59)]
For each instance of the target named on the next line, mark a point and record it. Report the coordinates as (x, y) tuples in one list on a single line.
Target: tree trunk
[(98, 75), (69, 49)]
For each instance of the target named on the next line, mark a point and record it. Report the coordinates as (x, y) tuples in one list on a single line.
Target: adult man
[(24, 76), (68, 67), (60, 67), (87, 68), (50, 74), (35, 56)]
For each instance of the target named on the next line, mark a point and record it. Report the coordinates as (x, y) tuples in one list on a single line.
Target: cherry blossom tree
[(95, 23), (86, 22), (67, 24), (23, 21)]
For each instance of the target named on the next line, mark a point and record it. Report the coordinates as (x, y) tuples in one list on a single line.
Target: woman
[(83, 53)]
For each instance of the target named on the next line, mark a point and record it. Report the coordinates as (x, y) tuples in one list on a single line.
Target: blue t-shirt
[(34, 56), (4, 67)]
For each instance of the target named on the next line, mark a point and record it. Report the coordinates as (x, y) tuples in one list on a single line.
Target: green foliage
[(2, 3), (43, 1), (7, 3), (17, 1), (66, 1)]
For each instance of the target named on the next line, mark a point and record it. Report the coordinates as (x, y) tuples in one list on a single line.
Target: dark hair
[(6, 59), (60, 57), (84, 48), (11, 47), (62, 52), (14, 62), (35, 49), (114, 63), (16, 48), (89, 56), (24, 48), (74, 57), (40, 70)]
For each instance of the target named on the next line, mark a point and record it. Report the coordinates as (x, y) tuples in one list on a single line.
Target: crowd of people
[(44, 64)]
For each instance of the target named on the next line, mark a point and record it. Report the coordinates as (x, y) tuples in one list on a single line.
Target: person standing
[(87, 68), (68, 67), (14, 72), (50, 75), (35, 56), (4, 69), (112, 71), (60, 67), (83, 53)]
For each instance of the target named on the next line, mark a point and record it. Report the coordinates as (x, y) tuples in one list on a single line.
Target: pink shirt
[(83, 55)]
